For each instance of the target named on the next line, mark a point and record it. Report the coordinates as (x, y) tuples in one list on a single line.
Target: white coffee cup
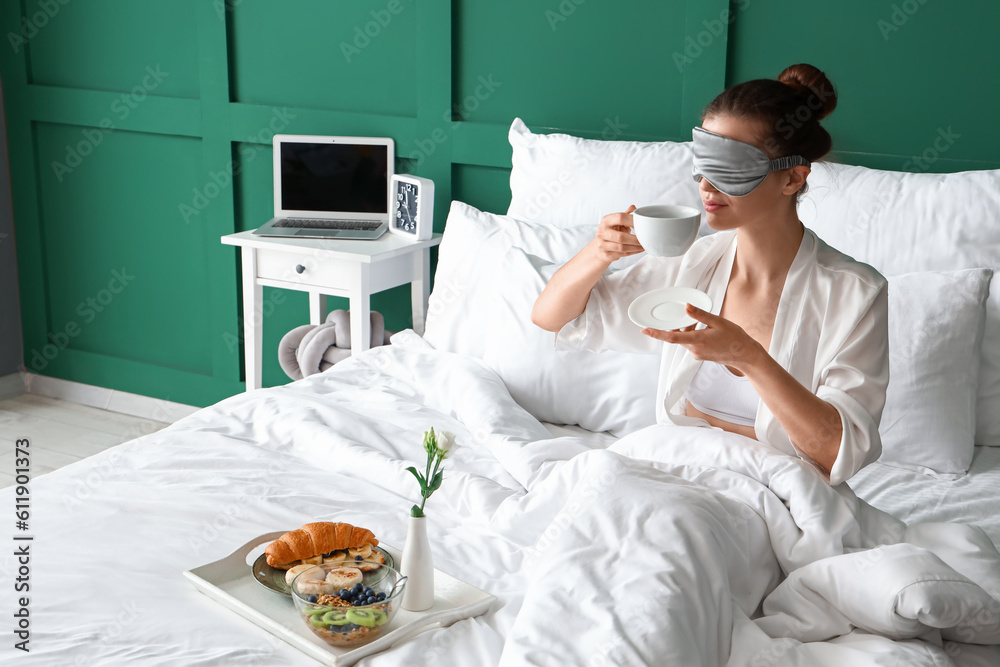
[(666, 230)]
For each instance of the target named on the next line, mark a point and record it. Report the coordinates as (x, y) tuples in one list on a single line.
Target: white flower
[(446, 442)]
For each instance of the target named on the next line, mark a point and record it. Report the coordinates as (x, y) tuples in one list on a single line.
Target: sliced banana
[(316, 587), (365, 550), (313, 560), (368, 566), (343, 577), (335, 557), (299, 569)]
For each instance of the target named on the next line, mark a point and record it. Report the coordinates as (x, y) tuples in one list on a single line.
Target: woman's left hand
[(721, 341)]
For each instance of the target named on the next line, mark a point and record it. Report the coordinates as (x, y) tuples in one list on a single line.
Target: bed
[(607, 539)]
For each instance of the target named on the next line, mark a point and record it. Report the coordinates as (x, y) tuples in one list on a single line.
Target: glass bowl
[(338, 620)]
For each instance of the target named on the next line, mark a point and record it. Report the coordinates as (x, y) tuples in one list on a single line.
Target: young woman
[(795, 352)]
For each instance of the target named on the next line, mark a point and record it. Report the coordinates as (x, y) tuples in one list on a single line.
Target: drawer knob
[(299, 268)]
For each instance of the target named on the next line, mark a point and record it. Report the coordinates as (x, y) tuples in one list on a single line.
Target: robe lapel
[(791, 307), (714, 283)]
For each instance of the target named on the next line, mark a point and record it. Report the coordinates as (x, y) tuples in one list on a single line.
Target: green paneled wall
[(290, 54), (140, 133), (908, 74), (107, 45), (540, 61), (106, 205)]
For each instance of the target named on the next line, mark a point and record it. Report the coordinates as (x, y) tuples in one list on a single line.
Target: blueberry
[(344, 593), (358, 558), (369, 591), (312, 598), (358, 587), (380, 597), (358, 602), (371, 600)]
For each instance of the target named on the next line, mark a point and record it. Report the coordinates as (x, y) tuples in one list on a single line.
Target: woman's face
[(771, 198)]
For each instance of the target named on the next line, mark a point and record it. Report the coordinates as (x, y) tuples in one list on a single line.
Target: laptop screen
[(336, 177)]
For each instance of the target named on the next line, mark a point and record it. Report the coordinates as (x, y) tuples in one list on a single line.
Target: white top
[(365, 251), (830, 333), (718, 392)]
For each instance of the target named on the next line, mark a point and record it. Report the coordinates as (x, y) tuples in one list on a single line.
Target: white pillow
[(606, 391), (935, 335), (566, 181), (473, 244), (899, 591), (901, 223)]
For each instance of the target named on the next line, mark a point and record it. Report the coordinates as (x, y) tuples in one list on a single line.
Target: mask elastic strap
[(789, 161)]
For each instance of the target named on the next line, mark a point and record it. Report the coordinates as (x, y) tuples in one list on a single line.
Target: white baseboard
[(11, 385), (106, 399)]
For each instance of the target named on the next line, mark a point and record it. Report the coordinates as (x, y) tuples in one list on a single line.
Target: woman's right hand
[(615, 239), (566, 294)]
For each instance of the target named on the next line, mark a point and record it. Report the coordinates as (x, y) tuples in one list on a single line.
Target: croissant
[(315, 539)]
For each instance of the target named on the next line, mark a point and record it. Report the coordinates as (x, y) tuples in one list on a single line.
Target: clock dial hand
[(407, 207)]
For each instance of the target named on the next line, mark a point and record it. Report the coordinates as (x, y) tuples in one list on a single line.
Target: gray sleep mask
[(735, 168)]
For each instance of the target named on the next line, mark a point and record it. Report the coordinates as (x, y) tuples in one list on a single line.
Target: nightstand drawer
[(302, 268)]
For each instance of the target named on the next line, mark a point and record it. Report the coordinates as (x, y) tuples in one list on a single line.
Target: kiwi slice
[(336, 617), (317, 610), (365, 617), (381, 618)]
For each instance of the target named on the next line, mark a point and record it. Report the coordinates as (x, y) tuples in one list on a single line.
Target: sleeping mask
[(735, 168)]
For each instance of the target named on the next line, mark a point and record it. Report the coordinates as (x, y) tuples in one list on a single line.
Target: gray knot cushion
[(313, 348)]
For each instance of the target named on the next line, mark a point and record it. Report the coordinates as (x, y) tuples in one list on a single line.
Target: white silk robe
[(830, 333)]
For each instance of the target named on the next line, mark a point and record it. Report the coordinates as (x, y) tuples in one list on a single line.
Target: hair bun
[(811, 83)]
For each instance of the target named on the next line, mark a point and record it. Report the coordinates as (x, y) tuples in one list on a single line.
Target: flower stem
[(435, 456), (427, 475)]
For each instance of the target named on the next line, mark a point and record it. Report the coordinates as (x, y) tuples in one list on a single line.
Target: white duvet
[(676, 546)]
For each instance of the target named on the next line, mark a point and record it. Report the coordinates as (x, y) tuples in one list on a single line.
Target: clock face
[(406, 206)]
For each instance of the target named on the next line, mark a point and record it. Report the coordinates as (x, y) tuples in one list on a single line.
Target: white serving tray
[(229, 582)]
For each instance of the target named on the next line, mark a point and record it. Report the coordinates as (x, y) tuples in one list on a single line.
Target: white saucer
[(664, 308)]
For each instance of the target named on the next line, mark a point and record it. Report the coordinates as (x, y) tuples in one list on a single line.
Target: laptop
[(330, 187)]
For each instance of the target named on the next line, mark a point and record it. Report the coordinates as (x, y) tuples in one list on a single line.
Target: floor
[(61, 432)]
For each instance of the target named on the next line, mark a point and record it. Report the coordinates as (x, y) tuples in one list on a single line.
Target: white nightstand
[(352, 269)]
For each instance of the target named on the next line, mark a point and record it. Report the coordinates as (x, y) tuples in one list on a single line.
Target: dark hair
[(788, 109)]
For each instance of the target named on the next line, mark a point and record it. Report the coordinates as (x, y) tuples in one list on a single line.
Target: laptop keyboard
[(314, 223)]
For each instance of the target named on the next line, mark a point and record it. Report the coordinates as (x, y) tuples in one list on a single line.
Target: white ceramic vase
[(417, 567)]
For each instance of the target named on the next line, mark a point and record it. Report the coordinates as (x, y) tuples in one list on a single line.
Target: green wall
[(11, 353), (916, 79), (140, 132)]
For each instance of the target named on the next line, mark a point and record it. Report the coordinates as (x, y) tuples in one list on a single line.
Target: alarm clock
[(411, 211)]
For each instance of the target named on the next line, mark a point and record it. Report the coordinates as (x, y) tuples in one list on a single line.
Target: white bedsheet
[(595, 440), (114, 532), (913, 497)]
